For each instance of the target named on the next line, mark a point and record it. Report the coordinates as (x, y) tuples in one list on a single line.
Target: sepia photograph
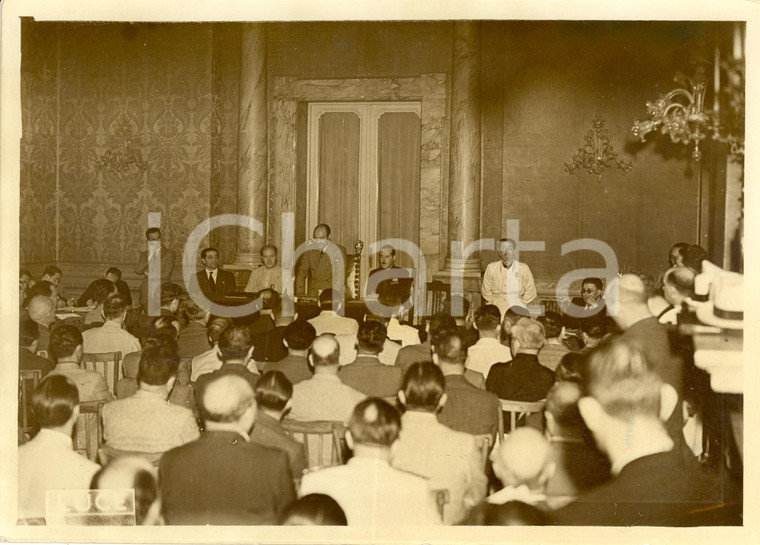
[(352, 272)]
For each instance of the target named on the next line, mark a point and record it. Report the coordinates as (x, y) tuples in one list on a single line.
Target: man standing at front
[(508, 282), (320, 264), (152, 256)]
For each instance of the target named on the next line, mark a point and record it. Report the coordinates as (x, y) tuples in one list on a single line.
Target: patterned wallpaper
[(153, 85)]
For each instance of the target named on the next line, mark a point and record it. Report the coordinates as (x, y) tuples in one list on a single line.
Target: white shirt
[(506, 287), (204, 363), (262, 278), (324, 397), (329, 322), (404, 333), (482, 355), (110, 337), (48, 462), (374, 494)]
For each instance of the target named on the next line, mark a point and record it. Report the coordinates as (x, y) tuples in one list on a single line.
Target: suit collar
[(221, 436)]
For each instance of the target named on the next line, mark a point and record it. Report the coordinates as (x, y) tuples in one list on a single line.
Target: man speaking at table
[(320, 263)]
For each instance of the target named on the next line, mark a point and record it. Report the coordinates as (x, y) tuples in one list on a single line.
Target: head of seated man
[(677, 285), (269, 299), (523, 459), (511, 317), (527, 337), (552, 323), (439, 323), (370, 338), (236, 345), (158, 369), (138, 474), (115, 308), (66, 344), (167, 325), (55, 404), (44, 288), (41, 309), (330, 300), (229, 404), (487, 321), (298, 337), (273, 392), (324, 355), (693, 256), (170, 296), (373, 428), (423, 388), (675, 257), (315, 510)]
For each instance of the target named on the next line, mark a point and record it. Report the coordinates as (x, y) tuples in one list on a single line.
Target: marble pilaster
[(252, 142)]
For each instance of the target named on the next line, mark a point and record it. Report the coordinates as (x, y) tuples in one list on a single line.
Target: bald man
[(677, 285), (324, 396), (223, 478), (42, 310)]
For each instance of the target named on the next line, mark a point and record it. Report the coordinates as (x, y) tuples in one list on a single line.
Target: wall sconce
[(122, 155), (596, 155)]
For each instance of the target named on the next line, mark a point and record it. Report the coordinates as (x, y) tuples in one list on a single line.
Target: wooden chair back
[(485, 444), (27, 382), (323, 441), (91, 422), (517, 410), (107, 364), (107, 454), (437, 293)]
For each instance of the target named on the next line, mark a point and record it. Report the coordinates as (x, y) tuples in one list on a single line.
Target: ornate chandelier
[(679, 113), (596, 155)]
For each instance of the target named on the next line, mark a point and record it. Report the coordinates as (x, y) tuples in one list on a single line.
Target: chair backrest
[(323, 441), (484, 443), (27, 382), (89, 418), (107, 364), (517, 410), (437, 292), (107, 454)]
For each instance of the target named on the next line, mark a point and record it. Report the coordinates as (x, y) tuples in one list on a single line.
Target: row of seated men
[(612, 431)]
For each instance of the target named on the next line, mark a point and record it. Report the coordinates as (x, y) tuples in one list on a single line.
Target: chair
[(437, 292), (323, 441), (107, 454), (27, 382), (107, 364), (517, 410), (90, 418), (551, 305)]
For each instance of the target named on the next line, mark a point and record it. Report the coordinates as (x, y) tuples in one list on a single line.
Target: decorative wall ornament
[(122, 157), (597, 153)]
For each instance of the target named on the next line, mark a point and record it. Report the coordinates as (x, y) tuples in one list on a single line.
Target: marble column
[(252, 142), (464, 165)]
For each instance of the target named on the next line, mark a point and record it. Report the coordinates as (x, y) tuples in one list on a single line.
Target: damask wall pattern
[(120, 86)]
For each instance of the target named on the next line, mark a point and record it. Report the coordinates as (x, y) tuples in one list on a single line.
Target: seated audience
[(111, 337), (449, 459), (224, 478), (652, 484), (570, 369), (315, 510), (268, 275), (579, 463), (422, 352), (693, 256), (329, 320), (101, 289), (511, 317), (193, 338), (521, 462), (591, 305), (170, 298), (145, 422), (468, 409), (592, 333), (42, 311), (48, 462), (28, 360), (265, 320), (297, 339), (324, 396), (676, 256), (235, 347), (66, 351), (370, 491), (268, 346), (210, 360), (113, 274), (273, 392), (488, 349), (43, 287), (523, 378), (677, 285), (168, 325), (140, 475), (551, 353), (366, 374)]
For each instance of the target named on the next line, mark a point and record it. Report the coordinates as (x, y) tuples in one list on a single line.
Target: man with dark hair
[(324, 396), (212, 280), (523, 378), (330, 319), (693, 256), (138, 474), (552, 352), (371, 492), (323, 260), (448, 459), (48, 462), (422, 352), (592, 333), (101, 289), (268, 275), (652, 484), (366, 374), (210, 360), (28, 360), (111, 337), (66, 350), (145, 422), (675, 256), (295, 366), (171, 294), (157, 255), (470, 408), (235, 349), (273, 394), (488, 349), (42, 311), (268, 345), (53, 274), (677, 286), (389, 280), (508, 282), (113, 274), (224, 478), (193, 338), (591, 305)]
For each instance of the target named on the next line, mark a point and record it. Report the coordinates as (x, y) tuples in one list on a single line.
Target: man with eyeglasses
[(590, 306)]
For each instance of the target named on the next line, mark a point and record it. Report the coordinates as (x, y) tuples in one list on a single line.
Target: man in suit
[(193, 338), (224, 478), (295, 366), (469, 408), (366, 374), (28, 360), (156, 255), (320, 264), (652, 484), (42, 311), (113, 274), (590, 306), (212, 280), (273, 392), (388, 280), (422, 352), (171, 294), (111, 336)]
